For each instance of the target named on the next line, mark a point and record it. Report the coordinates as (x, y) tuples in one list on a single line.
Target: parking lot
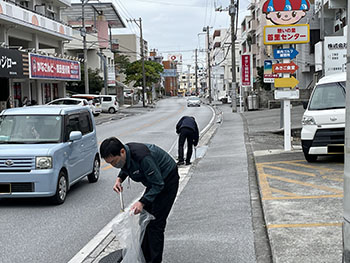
[(302, 202)]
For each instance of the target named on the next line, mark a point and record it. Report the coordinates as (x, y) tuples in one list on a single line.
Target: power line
[(168, 3)]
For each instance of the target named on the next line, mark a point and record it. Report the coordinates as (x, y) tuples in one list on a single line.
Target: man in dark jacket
[(157, 171), (188, 130)]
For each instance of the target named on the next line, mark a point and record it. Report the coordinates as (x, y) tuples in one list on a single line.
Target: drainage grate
[(114, 257)]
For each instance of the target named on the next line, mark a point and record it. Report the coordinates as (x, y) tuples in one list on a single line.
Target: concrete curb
[(261, 237)]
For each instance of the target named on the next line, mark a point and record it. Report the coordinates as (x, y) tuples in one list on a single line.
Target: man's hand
[(118, 185), (137, 207)]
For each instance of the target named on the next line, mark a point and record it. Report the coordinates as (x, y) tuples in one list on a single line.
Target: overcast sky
[(172, 26)]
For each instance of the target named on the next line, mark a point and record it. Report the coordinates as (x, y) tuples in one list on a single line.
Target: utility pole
[(83, 34), (232, 11), (139, 24), (206, 29), (322, 37), (196, 72)]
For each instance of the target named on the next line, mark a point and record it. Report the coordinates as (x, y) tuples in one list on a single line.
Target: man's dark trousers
[(153, 241), (186, 134)]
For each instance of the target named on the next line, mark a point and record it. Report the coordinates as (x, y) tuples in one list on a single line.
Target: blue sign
[(285, 53), (169, 73)]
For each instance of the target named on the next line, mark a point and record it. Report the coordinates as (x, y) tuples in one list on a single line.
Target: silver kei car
[(44, 150), (193, 101)]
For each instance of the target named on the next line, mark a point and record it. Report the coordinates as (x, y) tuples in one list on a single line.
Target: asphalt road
[(34, 231)]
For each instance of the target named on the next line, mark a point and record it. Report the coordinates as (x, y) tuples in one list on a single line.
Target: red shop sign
[(246, 70), (43, 67)]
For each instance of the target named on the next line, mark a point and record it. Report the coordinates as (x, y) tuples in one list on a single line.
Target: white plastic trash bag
[(130, 233)]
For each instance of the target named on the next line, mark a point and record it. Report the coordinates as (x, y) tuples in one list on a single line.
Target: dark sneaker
[(180, 163), (188, 163)]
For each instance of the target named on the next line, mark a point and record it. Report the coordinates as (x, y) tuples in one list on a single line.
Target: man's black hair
[(111, 147)]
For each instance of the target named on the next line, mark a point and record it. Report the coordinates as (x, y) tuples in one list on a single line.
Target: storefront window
[(17, 94), (46, 92), (55, 90)]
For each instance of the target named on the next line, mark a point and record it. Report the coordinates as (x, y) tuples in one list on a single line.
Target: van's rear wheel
[(111, 110), (61, 190)]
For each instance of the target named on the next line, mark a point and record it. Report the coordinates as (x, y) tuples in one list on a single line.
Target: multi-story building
[(33, 26), (157, 88), (99, 20), (331, 50), (170, 76), (130, 46), (187, 82), (221, 61)]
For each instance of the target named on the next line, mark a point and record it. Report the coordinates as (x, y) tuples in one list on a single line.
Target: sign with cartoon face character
[(285, 12)]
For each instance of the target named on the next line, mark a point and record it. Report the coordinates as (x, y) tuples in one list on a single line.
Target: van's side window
[(85, 123), (107, 98), (72, 125)]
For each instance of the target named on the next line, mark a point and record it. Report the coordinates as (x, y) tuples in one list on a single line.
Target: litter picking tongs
[(121, 202)]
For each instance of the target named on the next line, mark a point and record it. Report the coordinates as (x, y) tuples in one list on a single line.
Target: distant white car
[(193, 101), (93, 100), (69, 101), (109, 103), (73, 101)]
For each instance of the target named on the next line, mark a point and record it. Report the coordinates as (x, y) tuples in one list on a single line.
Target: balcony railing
[(15, 14)]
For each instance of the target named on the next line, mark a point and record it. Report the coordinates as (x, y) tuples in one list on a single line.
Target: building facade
[(99, 20), (33, 27)]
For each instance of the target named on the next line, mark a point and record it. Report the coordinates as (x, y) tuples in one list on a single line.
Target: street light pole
[(83, 34), (209, 66)]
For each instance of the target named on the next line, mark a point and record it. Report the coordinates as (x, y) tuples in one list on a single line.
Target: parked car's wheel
[(306, 147), (93, 177), (111, 110), (96, 114), (61, 190), (310, 157)]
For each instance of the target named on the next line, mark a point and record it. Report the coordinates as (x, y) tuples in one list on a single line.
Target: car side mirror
[(75, 135), (305, 103)]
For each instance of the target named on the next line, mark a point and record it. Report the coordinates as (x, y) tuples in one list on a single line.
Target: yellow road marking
[(264, 184), (275, 162), (301, 197), (321, 187), (329, 177), (107, 167), (282, 192), (322, 170), (289, 170), (303, 225)]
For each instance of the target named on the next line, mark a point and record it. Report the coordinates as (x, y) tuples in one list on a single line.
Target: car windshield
[(30, 128), (194, 99), (328, 96), (65, 102)]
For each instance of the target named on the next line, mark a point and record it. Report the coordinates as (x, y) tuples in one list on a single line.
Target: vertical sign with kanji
[(246, 71)]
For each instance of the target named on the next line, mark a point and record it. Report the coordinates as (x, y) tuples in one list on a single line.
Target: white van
[(109, 103), (324, 118)]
